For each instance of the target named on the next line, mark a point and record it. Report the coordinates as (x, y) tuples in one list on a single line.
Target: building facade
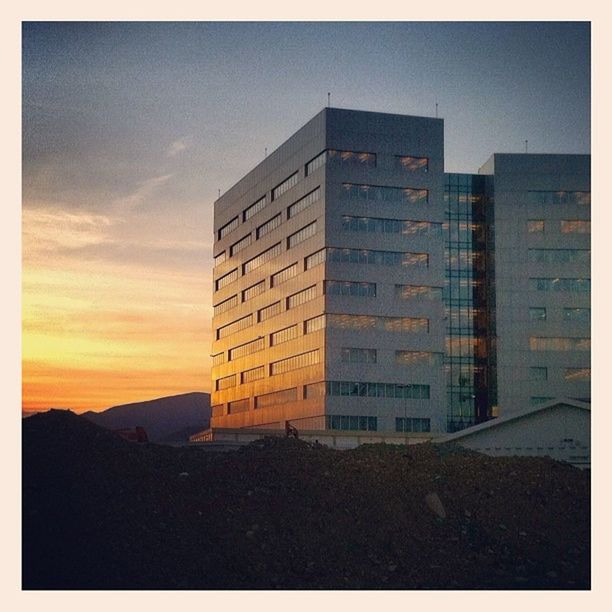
[(356, 284)]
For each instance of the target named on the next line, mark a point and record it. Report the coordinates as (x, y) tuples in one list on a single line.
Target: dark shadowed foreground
[(103, 513)]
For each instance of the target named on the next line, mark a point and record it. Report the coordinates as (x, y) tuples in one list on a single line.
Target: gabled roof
[(496, 422)]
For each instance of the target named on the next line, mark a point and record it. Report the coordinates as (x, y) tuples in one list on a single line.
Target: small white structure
[(560, 429)]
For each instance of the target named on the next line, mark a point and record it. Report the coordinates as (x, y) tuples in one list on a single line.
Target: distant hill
[(164, 419)]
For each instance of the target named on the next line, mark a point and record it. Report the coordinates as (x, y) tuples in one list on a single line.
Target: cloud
[(176, 147), (144, 190)]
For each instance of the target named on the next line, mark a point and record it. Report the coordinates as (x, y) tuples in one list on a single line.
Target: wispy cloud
[(176, 147), (144, 190)]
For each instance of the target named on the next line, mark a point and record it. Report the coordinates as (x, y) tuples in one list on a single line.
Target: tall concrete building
[(359, 287)]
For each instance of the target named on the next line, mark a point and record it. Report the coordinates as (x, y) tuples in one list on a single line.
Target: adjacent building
[(359, 287)]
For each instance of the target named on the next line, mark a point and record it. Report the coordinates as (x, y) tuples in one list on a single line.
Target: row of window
[(390, 324), (559, 197), (559, 344), (412, 425), (403, 357), (409, 163), (570, 374), (378, 258), (559, 255), (350, 288), (537, 313), (572, 285), (407, 227), (568, 226), (382, 390), (378, 193)]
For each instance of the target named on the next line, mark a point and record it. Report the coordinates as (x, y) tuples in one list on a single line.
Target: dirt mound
[(281, 513)]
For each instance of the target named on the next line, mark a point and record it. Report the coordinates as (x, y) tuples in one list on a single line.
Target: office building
[(359, 287)]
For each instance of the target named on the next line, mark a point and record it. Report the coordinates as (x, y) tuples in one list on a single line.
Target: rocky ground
[(103, 513)]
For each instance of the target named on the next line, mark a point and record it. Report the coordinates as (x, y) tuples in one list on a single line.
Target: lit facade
[(355, 283)]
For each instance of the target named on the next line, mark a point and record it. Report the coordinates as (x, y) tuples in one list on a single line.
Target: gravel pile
[(103, 513)]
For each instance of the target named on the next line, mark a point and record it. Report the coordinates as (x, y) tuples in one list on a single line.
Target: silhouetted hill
[(160, 417)]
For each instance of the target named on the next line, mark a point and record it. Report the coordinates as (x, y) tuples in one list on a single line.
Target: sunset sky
[(130, 130)]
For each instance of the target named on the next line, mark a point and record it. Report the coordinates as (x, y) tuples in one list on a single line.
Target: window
[(407, 227), (559, 197), (217, 410), (412, 164), (418, 358), (262, 258), (268, 312), (220, 258), (240, 245), (241, 405), (268, 226), (283, 335), (574, 285), (225, 305), (353, 158), (226, 382), (535, 226), (254, 208), (315, 163), (254, 290), (575, 227), (394, 324), (314, 390), (286, 396), (301, 235), (301, 297), (315, 259), (248, 348), (577, 374), (284, 275), (537, 314), (234, 326), (534, 400), (559, 344), (218, 359), (287, 184), (228, 227), (370, 389), (577, 314), (376, 194), (559, 255), (253, 374), (538, 373), (304, 203), (380, 258), (226, 279), (412, 425), (357, 355), (350, 288), (314, 324), (351, 422), (293, 363), (418, 292)]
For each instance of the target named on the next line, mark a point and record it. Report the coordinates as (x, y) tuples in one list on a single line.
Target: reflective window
[(226, 279), (314, 390), (418, 292), (269, 311), (301, 297), (254, 208), (577, 314), (375, 193), (228, 227), (268, 226), (574, 285), (284, 275), (248, 348), (406, 227), (226, 382), (218, 359), (577, 374), (351, 422), (412, 425), (314, 324), (254, 290), (575, 226), (217, 410), (241, 244), (370, 389), (357, 355), (304, 203), (225, 305), (262, 258), (538, 373), (560, 255), (253, 374), (559, 197), (535, 226), (234, 326), (287, 184), (350, 288), (220, 258), (301, 235), (394, 324), (285, 396), (293, 363), (534, 400), (241, 405), (315, 163), (315, 259), (380, 258), (559, 344), (418, 358), (412, 164), (283, 335), (353, 158), (537, 314)]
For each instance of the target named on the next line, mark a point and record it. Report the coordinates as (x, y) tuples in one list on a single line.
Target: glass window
[(248, 348), (262, 258), (353, 158), (286, 396), (559, 197), (412, 164), (357, 355), (412, 425), (240, 245), (220, 258), (253, 374), (384, 258), (254, 290), (304, 203), (377, 194), (577, 374), (351, 423), (228, 227), (534, 400), (350, 288), (241, 405), (314, 324), (254, 208), (537, 314), (226, 279), (284, 275), (283, 335), (560, 255), (226, 382), (234, 326), (314, 390), (315, 259), (225, 305), (574, 285), (301, 297), (269, 311), (538, 373), (301, 235), (418, 358), (218, 359), (535, 226), (268, 226), (287, 184), (559, 344), (577, 314), (293, 363), (315, 163), (575, 226), (418, 292)]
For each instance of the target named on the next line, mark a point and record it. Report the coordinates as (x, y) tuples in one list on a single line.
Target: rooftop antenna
[(436, 110), (328, 98), (526, 143), (219, 193), (266, 152)]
